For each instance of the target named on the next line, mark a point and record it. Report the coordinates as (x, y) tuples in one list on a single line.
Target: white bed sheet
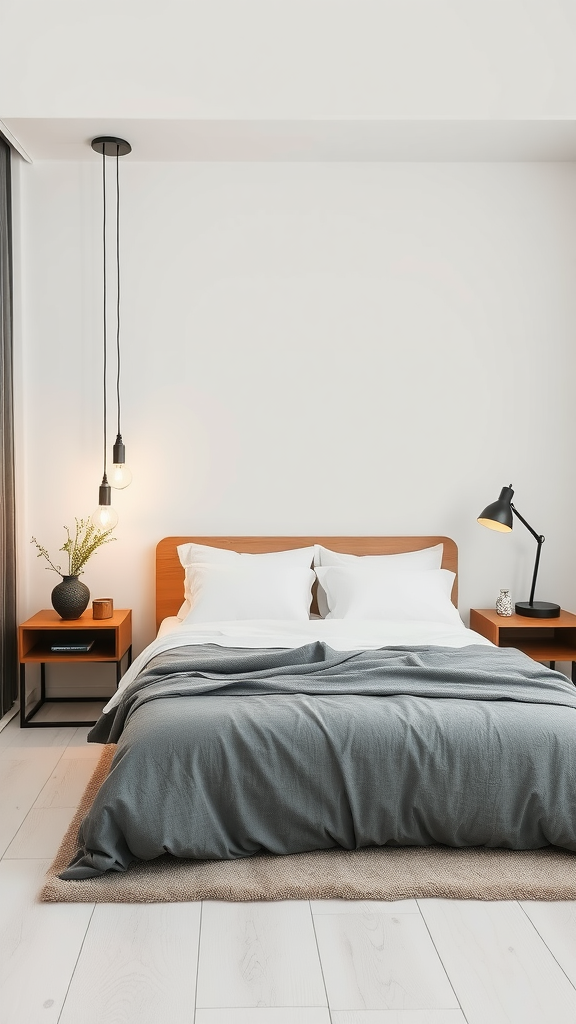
[(339, 634), (168, 626)]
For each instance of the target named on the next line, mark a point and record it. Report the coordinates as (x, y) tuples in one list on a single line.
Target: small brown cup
[(102, 608)]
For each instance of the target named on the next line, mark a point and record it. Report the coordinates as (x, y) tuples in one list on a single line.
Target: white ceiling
[(370, 139)]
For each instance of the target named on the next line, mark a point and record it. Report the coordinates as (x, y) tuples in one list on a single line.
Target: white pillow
[(248, 590), (425, 558), (367, 593), (205, 554)]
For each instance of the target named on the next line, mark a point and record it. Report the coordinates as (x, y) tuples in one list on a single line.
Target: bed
[(237, 737)]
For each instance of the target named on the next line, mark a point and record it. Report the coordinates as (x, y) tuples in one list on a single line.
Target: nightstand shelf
[(42, 653), (548, 640), (103, 650), (112, 643)]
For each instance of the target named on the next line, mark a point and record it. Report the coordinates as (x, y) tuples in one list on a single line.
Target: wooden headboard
[(170, 574)]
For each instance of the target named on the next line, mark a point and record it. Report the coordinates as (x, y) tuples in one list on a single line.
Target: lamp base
[(538, 609)]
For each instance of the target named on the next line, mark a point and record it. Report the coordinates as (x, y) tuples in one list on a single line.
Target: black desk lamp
[(498, 516)]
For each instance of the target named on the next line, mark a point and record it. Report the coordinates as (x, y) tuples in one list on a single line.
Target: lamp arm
[(539, 540), (537, 536)]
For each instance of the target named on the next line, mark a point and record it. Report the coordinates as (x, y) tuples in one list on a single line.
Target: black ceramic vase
[(70, 598)]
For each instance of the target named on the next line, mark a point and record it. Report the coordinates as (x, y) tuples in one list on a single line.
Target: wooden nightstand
[(112, 641), (549, 640)]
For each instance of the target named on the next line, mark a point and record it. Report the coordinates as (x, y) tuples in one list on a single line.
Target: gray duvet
[(226, 753)]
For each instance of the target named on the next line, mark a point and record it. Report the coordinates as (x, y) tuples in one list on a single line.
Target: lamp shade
[(498, 515)]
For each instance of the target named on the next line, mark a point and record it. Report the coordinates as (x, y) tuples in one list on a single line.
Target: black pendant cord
[(118, 289), (104, 477)]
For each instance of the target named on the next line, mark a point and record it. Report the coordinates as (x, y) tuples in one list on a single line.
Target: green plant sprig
[(79, 547), (42, 553)]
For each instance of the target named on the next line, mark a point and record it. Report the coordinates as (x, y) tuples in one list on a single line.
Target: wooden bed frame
[(170, 574)]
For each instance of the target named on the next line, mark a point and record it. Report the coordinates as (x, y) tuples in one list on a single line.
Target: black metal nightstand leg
[(22, 695), (574, 672), (552, 664), (119, 665), (25, 722)]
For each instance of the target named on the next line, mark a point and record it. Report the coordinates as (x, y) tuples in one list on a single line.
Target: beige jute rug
[(377, 873)]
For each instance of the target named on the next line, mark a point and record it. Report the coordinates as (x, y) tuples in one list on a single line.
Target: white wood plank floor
[(318, 962)]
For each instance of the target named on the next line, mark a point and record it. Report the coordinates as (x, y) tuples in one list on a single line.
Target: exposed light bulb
[(105, 517), (121, 475)]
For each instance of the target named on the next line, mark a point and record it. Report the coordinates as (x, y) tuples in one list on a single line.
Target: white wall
[(307, 348), (288, 58)]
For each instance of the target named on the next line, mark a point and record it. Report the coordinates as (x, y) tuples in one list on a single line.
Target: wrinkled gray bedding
[(226, 753)]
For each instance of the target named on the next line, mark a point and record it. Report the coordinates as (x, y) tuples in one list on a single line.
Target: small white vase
[(504, 603)]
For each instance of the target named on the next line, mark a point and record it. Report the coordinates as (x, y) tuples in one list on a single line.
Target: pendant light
[(105, 517), (121, 475)]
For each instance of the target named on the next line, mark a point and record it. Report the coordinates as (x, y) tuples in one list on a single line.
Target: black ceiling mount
[(108, 145)]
